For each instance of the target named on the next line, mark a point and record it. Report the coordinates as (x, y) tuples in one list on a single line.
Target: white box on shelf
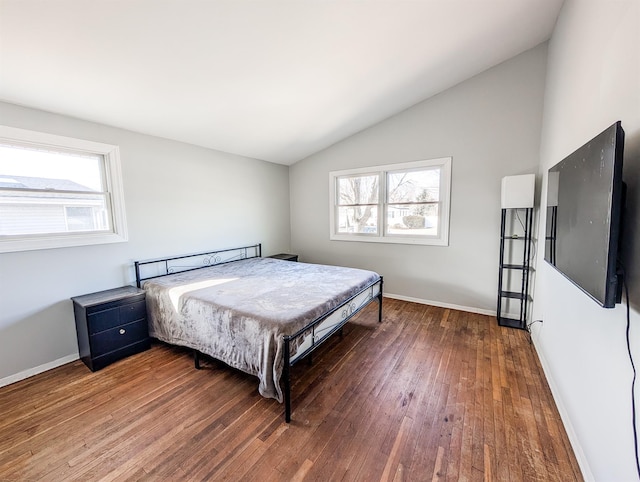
[(517, 191)]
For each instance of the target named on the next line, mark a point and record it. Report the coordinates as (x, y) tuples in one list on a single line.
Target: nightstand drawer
[(118, 337), (106, 319), (108, 358)]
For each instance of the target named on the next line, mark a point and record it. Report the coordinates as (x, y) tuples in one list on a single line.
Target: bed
[(259, 315)]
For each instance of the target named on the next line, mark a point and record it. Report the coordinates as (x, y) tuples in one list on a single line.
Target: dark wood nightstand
[(111, 325), (285, 256)]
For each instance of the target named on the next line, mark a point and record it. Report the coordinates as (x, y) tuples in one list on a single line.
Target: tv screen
[(584, 204)]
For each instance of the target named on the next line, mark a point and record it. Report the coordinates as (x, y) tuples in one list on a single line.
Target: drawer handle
[(122, 331)]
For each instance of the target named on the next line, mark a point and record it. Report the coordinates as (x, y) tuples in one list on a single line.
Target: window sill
[(365, 238), (65, 241)]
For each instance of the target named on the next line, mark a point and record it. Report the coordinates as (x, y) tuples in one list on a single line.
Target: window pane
[(413, 219), (50, 212), (413, 186), (358, 219), (358, 190), (73, 201), (27, 168)]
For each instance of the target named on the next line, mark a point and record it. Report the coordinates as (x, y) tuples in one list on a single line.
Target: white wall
[(179, 199), (490, 125), (593, 80)]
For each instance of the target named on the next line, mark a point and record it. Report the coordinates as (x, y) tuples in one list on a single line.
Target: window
[(398, 203), (58, 191)]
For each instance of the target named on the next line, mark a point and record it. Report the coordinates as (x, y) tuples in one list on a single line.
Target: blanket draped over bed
[(239, 312)]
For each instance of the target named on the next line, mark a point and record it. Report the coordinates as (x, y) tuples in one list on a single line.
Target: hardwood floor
[(428, 394)]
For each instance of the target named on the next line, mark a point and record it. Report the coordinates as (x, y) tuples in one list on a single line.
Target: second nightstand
[(285, 256)]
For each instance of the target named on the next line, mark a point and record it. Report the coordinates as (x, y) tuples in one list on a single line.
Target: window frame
[(442, 239), (113, 186)]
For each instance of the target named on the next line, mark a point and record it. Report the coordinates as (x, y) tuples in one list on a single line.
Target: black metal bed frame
[(296, 346)]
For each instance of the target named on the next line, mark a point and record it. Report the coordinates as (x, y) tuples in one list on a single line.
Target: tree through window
[(358, 204)]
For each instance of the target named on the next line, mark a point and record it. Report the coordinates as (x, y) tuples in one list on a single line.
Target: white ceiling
[(273, 80)]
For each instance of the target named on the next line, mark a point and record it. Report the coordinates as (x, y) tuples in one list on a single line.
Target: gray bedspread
[(238, 312)]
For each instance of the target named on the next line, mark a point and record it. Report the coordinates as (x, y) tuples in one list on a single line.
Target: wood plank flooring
[(429, 394)]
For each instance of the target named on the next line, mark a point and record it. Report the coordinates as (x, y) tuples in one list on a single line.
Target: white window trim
[(380, 237), (113, 179)]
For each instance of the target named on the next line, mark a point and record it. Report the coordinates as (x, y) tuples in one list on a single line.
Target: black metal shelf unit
[(511, 247)]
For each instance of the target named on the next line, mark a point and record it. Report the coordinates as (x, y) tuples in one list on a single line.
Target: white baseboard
[(39, 369), (581, 458), (440, 304)]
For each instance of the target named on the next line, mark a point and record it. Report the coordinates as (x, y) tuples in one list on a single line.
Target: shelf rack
[(522, 296)]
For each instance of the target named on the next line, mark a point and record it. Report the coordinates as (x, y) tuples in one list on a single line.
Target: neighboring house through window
[(58, 191), (397, 203)]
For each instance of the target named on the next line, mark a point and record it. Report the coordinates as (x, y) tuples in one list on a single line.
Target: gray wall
[(593, 80), (490, 125), (179, 199)]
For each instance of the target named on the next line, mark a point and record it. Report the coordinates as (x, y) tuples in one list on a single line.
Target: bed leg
[(380, 301), (196, 359), (287, 382)]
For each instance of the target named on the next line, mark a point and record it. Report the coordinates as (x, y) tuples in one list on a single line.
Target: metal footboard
[(305, 341)]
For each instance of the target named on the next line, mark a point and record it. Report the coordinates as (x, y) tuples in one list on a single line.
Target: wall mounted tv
[(584, 206)]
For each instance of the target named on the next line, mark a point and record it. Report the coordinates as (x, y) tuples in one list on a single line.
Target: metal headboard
[(156, 268)]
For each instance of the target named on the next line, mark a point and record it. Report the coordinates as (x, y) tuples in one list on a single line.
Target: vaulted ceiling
[(273, 80)]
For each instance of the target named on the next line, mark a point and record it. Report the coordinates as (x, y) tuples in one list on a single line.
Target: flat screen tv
[(584, 206)]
